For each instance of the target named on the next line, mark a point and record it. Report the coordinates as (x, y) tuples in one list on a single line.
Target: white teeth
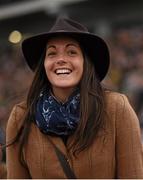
[(63, 71)]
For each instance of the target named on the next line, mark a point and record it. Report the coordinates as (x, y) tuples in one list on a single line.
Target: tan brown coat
[(120, 156)]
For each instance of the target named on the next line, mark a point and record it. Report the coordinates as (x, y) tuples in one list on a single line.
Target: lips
[(63, 71)]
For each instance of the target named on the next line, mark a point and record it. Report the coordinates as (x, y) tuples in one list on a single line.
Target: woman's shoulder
[(117, 102), (21, 105), (15, 120), (120, 109), (115, 98), (114, 94), (18, 110)]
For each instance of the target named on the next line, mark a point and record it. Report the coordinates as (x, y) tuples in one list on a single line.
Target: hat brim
[(94, 46)]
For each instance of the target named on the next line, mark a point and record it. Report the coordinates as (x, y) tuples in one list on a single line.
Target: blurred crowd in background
[(125, 74), (15, 78)]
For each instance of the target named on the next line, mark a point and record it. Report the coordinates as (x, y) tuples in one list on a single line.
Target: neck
[(62, 95)]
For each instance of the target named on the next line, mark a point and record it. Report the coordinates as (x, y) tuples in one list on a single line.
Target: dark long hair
[(92, 107)]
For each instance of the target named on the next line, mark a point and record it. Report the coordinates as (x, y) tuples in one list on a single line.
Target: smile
[(63, 71)]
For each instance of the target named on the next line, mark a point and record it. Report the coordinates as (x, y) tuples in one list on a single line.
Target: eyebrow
[(72, 44), (53, 46)]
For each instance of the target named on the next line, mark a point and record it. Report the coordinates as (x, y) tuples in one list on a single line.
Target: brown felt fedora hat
[(94, 46)]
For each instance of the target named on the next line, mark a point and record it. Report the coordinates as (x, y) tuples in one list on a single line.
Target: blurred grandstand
[(120, 23)]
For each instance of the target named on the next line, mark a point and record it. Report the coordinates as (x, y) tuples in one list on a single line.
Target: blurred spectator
[(12, 72), (127, 65)]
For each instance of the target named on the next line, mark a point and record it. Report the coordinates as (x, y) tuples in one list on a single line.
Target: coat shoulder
[(18, 111), (113, 98), (119, 105), (15, 120), (113, 94)]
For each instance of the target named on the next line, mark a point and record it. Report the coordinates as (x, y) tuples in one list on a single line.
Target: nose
[(61, 62)]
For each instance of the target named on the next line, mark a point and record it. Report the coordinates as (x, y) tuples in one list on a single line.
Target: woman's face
[(63, 62)]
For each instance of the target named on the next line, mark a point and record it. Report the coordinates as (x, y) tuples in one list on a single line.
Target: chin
[(65, 85)]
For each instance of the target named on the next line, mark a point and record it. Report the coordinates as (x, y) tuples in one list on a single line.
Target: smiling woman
[(70, 126), (64, 65)]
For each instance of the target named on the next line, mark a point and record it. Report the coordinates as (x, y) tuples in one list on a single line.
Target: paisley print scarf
[(53, 117)]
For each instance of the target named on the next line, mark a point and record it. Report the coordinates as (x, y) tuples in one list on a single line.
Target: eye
[(72, 52), (51, 54)]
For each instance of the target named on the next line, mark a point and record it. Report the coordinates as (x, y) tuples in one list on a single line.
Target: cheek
[(81, 65), (79, 69), (47, 66), (47, 69)]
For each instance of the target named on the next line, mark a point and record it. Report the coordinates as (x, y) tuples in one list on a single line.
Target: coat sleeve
[(15, 170), (129, 150)]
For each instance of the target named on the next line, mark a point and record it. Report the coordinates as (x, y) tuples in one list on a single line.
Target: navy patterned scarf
[(53, 117)]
